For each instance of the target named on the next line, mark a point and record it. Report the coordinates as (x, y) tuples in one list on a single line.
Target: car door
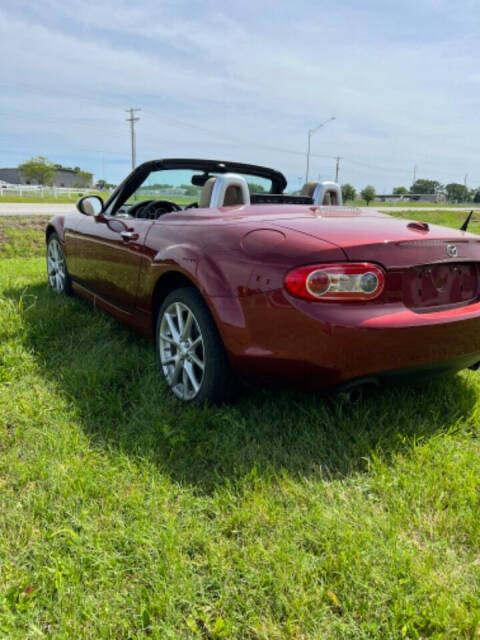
[(106, 255)]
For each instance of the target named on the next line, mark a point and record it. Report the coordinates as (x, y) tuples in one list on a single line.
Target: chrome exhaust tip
[(353, 392)]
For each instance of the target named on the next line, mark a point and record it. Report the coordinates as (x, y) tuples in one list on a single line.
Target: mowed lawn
[(124, 514)]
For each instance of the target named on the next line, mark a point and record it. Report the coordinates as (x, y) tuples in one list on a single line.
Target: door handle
[(129, 235)]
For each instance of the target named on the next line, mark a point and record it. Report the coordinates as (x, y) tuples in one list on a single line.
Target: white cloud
[(245, 77)]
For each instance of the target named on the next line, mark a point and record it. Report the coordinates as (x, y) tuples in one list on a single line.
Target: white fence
[(42, 192), (77, 192)]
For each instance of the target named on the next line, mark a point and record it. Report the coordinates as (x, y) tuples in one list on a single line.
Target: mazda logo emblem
[(452, 251)]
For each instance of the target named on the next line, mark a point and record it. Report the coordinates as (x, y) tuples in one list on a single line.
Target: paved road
[(33, 209)]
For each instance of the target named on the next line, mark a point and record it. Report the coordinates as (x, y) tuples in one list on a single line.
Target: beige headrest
[(206, 194), (233, 196), (308, 189)]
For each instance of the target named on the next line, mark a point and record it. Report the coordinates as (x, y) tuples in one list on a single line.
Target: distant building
[(409, 197), (63, 178)]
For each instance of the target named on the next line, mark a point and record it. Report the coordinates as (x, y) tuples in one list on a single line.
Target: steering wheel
[(148, 208)]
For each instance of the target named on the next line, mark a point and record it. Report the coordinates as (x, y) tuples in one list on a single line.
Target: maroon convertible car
[(248, 281)]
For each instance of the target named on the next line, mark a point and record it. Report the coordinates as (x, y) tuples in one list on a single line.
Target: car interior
[(215, 186)]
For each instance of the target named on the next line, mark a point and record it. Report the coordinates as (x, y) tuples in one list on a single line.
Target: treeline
[(453, 192)]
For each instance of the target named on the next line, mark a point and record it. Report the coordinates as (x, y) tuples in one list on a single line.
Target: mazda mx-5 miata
[(249, 282)]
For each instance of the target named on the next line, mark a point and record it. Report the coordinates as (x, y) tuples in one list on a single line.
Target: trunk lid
[(428, 266), (392, 242)]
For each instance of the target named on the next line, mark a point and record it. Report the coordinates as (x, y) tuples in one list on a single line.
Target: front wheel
[(57, 273), (189, 349)]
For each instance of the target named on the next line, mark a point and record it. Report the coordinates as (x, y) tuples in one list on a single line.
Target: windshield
[(183, 187)]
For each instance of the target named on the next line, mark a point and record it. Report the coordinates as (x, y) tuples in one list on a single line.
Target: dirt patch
[(24, 222), (22, 237), (21, 223)]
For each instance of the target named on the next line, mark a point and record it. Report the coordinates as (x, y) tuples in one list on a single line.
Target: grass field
[(66, 199), (441, 217), (62, 198), (126, 515), (411, 205)]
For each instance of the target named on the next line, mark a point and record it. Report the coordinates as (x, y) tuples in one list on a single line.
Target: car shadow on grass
[(110, 379)]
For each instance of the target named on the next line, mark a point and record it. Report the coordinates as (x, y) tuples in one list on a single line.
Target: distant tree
[(476, 196), (348, 192), (190, 189), (400, 191), (368, 194), (425, 186), (86, 177), (456, 192), (38, 169), (255, 188)]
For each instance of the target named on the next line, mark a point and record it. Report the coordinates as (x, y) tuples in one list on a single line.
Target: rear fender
[(206, 275), (192, 262)]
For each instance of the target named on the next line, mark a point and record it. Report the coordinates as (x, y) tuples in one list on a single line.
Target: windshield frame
[(138, 176)]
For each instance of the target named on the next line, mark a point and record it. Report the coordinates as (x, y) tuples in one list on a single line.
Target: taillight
[(340, 281)]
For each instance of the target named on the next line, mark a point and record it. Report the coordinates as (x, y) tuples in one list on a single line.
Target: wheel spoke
[(172, 327), (167, 339), (176, 373), (195, 343), (197, 361), (187, 327), (168, 360), (180, 324), (50, 266), (185, 383), (188, 369)]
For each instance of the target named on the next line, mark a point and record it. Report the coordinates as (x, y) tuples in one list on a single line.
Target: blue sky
[(245, 81)]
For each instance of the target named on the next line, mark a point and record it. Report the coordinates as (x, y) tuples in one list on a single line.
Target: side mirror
[(90, 206)]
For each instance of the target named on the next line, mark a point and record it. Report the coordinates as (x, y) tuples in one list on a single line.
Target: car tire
[(57, 272), (190, 351)]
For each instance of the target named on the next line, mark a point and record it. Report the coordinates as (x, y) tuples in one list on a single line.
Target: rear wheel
[(190, 352), (57, 273)]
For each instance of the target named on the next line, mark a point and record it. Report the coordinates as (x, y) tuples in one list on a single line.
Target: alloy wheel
[(56, 267), (182, 350)]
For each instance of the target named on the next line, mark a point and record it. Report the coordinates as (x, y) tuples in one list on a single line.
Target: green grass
[(446, 218), (32, 197), (66, 198), (22, 236), (413, 205), (126, 515)]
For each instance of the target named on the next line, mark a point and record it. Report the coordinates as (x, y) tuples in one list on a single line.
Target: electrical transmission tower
[(132, 119)]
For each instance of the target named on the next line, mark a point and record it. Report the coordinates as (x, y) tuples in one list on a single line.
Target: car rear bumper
[(318, 345)]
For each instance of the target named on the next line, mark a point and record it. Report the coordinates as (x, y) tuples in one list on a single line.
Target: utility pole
[(465, 180), (337, 168), (414, 174), (309, 136), (132, 119)]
